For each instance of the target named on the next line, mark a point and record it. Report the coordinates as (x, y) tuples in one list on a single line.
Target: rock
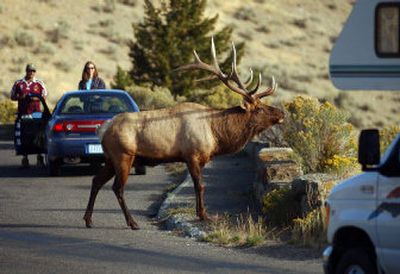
[(275, 154), (275, 169), (281, 171), (311, 190)]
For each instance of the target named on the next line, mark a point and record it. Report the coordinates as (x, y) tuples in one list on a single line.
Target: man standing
[(20, 90)]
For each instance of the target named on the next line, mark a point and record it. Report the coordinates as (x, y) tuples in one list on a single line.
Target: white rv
[(366, 55), (364, 211)]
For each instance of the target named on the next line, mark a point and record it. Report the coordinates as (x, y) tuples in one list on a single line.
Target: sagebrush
[(387, 135), (321, 134)]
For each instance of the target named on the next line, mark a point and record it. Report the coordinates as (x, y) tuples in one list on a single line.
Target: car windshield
[(95, 104)]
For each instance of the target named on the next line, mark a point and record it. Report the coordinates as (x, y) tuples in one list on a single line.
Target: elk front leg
[(102, 177), (118, 187), (195, 172)]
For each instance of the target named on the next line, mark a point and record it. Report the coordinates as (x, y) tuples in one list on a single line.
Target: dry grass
[(240, 231), (290, 39), (188, 211), (310, 231)]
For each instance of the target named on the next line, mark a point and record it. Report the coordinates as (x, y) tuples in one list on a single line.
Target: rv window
[(387, 29)]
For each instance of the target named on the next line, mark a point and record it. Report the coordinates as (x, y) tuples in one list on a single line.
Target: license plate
[(94, 149)]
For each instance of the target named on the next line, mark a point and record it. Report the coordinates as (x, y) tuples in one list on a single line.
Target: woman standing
[(90, 78)]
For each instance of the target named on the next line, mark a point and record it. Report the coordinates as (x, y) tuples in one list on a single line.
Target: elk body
[(189, 133)]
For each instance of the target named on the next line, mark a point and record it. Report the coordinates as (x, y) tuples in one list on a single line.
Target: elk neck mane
[(231, 129)]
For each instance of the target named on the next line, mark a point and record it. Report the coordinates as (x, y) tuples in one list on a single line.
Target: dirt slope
[(290, 39)]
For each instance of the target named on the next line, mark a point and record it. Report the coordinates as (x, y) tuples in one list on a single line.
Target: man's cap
[(30, 67)]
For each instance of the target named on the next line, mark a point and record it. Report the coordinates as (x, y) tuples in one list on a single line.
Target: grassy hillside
[(290, 39)]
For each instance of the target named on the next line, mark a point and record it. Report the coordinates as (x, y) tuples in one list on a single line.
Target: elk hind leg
[(102, 177), (120, 181)]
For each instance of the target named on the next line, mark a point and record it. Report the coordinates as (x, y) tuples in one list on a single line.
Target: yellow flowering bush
[(8, 109), (387, 135), (320, 134), (279, 207)]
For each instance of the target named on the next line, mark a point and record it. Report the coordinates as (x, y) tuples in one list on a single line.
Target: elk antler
[(239, 88)]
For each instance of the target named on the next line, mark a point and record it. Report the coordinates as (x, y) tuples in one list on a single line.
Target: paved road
[(42, 231)]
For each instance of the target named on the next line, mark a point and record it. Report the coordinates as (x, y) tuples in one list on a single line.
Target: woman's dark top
[(97, 83)]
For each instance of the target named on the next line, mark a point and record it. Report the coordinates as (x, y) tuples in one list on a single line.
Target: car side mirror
[(369, 154)]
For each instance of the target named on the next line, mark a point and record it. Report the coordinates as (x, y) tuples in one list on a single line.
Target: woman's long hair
[(85, 72)]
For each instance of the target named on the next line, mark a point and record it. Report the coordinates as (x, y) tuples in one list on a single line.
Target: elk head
[(264, 116)]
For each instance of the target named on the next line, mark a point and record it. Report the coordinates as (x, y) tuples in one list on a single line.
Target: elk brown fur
[(189, 133)]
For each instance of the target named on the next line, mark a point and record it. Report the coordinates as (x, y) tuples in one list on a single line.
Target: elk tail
[(102, 129)]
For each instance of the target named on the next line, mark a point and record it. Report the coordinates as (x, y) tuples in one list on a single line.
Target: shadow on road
[(150, 258), (33, 171)]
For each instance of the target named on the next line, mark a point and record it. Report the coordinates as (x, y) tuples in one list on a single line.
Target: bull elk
[(189, 133)]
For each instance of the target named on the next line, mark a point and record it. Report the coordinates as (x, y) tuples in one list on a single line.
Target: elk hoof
[(133, 225), (204, 217), (88, 222)]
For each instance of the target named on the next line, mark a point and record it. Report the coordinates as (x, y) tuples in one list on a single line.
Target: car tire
[(140, 170), (54, 167), (356, 260)]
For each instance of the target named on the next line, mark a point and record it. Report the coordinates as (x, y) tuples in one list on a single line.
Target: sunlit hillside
[(290, 39)]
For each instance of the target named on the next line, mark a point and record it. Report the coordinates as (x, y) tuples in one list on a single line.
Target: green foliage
[(147, 98), (218, 97), (8, 109), (280, 207), (321, 135), (387, 135), (166, 39), (121, 79)]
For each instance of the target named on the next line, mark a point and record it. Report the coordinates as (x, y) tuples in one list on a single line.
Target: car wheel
[(356, 261), (140, 170), (54, 167)]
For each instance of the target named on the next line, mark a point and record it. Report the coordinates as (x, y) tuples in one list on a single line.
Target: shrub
[(7, 41), (147, 98), (24, 39), (311, 230), (63, 66), (321, 135), (8, 109), (387, 135), (44, 48), (109, 6), (245, 14), (130, 3), (121, 79), (59, 32), (280, 207), (218, 97)]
